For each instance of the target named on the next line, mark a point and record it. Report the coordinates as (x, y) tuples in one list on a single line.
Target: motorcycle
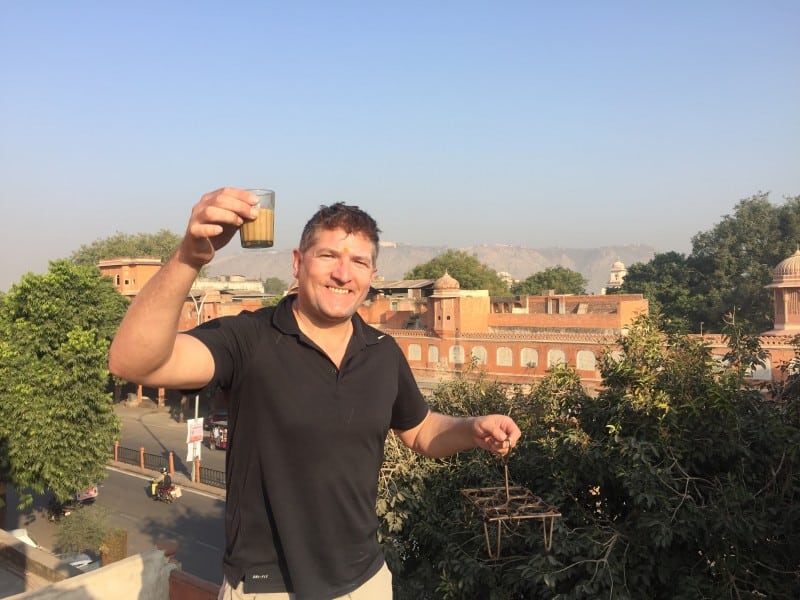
[(164, 494), (56, 510)]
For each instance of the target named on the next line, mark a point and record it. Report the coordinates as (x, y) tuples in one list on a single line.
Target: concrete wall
[(141, 577)]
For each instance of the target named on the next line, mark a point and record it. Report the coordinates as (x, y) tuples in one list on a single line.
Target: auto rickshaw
[(219, 436)]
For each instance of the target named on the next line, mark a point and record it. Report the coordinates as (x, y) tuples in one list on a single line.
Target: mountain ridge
[(396, 259)]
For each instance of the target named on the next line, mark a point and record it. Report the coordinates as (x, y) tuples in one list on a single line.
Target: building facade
[(444, 330)]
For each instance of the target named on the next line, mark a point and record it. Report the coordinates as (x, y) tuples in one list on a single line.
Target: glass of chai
[(260, 232)]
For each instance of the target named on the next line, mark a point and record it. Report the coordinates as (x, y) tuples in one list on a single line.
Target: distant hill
[(394, 261)]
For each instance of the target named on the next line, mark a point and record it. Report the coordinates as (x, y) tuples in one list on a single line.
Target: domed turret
[(788, 271), (617, 274), (446, 282), (786, 288)]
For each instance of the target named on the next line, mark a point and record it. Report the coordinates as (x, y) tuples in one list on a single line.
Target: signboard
[(194, 430), (194, 439)]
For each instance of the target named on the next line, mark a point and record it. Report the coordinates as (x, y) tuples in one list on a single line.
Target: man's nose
[(343, 268)]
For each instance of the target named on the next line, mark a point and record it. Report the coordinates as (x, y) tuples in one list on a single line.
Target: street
[(158, 432), (195, 520)]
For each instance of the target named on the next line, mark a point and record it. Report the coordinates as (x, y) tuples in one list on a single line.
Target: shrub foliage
[(678, 480)]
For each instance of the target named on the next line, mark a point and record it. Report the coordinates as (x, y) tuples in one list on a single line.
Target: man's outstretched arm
[(441, 435)]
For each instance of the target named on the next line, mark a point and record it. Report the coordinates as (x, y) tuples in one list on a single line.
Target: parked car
[(88, 495), (216, 415), (79, 560)]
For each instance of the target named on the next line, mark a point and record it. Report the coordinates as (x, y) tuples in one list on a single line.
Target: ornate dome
[(789, 267), (787, 273), (446, 282), (618, 266)]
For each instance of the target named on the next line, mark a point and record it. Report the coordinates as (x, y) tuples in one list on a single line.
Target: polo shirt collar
[(283, 320)]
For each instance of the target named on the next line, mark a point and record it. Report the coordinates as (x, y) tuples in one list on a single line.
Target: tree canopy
[(727, 270), (558, 278), (470, 273), (57, 424), (275, 285), (161, 245), (677, 481)]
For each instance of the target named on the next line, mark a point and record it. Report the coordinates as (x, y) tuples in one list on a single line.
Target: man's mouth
[(338, 290)]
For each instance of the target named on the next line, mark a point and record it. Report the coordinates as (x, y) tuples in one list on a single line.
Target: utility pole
[(198, 307)]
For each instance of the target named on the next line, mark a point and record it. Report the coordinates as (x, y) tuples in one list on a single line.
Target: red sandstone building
[(443, 329)]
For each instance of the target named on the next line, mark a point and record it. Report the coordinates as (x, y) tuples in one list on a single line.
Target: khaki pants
[(378, 587)]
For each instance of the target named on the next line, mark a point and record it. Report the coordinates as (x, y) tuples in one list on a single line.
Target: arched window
[(586, 360), (414, 352), (556, 356), (456, 355), (762, 373), (505, 357), (529, 357), (480, 355), (433, 354)]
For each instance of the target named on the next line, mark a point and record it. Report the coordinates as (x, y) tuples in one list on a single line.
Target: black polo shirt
[(305, 447)]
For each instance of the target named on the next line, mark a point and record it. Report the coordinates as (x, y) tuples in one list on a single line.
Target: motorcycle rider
[(163, 482)]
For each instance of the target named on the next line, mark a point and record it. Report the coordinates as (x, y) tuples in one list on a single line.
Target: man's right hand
[(214, 221)]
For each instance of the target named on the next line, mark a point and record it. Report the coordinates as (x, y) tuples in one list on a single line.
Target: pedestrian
[(313, 393)]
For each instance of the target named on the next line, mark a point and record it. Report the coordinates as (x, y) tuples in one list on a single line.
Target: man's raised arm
[(148, 349)]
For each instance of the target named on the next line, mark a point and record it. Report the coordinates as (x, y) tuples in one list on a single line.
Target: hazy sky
[(574, 124)]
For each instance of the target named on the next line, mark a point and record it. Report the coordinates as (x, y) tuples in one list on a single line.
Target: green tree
[(678, 481), (470, 273), (669, 283), (56, 419), (275, 285), (161, 245), (737, 258), (558, 278), (727, 270)]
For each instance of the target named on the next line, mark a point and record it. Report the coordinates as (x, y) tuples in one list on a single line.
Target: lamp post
[(198, 307)]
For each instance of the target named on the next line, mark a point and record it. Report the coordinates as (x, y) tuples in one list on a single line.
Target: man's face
[(334, 275)]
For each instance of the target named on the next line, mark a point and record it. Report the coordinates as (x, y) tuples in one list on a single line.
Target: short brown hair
[(343, 216)]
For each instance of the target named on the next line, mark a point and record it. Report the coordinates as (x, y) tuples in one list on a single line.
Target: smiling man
[(313, 393)]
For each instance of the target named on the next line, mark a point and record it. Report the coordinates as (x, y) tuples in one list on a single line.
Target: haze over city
[(576, 124)]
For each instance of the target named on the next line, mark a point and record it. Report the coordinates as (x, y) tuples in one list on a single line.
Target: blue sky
[(573, 124)]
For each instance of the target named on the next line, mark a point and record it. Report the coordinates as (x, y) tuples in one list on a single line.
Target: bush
[(678, 480)]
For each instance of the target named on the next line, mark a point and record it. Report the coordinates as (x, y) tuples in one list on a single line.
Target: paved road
[(195, 521), (157, 431)]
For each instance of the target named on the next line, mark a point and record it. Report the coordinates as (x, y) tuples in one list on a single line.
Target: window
[(761, 373), (555, 356), (433, 354), (586, 360), (479, 354), (529, 357), (456, 355), (505, 357), (414, 352)]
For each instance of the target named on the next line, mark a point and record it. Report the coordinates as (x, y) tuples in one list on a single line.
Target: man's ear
[(297, 257)]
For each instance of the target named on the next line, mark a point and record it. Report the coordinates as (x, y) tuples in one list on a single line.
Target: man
[(162, 481), (314, 392)]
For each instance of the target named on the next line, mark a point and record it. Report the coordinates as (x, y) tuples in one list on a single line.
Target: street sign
[(194, 430), (194, 439)]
